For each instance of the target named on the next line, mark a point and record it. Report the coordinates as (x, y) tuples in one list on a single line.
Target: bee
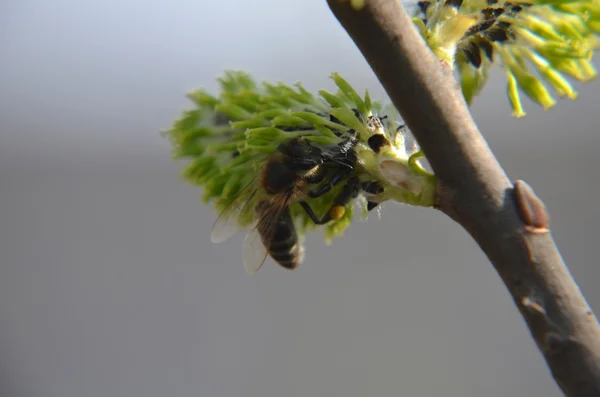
[(286, 178)]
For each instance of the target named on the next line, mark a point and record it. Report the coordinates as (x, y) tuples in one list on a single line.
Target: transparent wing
[(224, 228), (254, 252), (227, 223)]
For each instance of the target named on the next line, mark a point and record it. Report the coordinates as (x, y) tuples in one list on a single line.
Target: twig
[(510, 224)]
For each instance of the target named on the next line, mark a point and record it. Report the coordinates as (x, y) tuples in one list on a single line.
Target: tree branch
[(510, 224)]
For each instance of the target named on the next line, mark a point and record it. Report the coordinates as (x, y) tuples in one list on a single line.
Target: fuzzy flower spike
[(229, 139), (539, 43)]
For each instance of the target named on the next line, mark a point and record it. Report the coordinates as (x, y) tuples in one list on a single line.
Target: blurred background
[(109, 285)]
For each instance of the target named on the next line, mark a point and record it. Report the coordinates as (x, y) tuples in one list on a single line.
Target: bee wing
[(224, 228), (227, 223), (254, 252)]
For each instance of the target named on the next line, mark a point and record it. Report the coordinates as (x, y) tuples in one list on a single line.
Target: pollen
[(337, 211)]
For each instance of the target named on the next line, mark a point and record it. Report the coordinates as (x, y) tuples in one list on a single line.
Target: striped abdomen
[(279, 237)]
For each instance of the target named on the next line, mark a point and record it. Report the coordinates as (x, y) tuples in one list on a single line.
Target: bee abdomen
[(280, 237), (284, 247), (290, 257)]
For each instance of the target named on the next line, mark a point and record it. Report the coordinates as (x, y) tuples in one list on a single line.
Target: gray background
[(109, 285)]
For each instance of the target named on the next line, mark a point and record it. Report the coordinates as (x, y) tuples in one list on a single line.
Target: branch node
[(549, 334), (532, 210), (533, 306)]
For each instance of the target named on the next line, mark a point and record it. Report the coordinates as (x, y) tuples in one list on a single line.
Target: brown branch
[(510, 224)]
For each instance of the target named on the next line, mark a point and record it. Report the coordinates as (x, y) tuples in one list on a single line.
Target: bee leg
[(373, 187), (311, 214), (337, 178), (349, 192), (337, 210), (371, 205)]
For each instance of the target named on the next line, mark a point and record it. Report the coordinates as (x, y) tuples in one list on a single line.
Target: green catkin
[(556, 38), (225, 157)]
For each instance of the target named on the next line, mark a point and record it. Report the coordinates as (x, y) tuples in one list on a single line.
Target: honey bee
[(285, 179)]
